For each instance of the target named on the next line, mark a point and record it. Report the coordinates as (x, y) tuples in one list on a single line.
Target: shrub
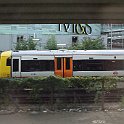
[(51, 43), (53, 83), (26, 45)]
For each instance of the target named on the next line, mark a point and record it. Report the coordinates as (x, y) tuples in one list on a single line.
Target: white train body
[(67, 63)]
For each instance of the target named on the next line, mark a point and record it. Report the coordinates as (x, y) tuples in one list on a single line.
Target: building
[(64, 34), (115, 35)]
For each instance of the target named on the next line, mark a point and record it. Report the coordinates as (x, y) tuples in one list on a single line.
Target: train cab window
[(15, 65), (37, 65), (67, 63), (8, 63), (58, 63)]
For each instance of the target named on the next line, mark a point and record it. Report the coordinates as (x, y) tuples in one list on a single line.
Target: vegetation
[(92, 44), (52, 84), (122, 102), (89, 44), (26, 45), (51, 43)]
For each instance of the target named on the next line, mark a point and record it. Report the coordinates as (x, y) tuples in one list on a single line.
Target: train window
[(15, 65), (93, 65), (67, 63), (98, 65), (112, 65), (8, 63), (37, 65), (58, 63)]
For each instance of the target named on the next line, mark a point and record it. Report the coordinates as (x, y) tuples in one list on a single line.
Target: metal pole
[(111, 36), (122, 40), (10, 41)]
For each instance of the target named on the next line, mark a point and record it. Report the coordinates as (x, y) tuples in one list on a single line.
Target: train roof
[(67, 52)]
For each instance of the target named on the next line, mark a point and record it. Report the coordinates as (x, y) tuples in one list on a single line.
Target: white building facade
[(64, 34)]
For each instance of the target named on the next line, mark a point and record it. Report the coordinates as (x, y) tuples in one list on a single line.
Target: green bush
[(92, 44), (26, 45), (53, 83), (51, 43), (57, 83), (89, 44)]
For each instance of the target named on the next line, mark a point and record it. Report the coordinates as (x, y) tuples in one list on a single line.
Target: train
[(62, 62)]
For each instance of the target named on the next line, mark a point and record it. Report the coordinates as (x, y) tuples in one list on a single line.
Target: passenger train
[(64, 63)]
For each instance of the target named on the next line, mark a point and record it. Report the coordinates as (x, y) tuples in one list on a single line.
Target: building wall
[(67, 39), (9, 34), (5, 42)]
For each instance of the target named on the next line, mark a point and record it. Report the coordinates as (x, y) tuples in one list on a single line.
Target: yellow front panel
[(5, 71)]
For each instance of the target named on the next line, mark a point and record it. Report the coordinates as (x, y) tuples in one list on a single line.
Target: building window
[(31, 36), (20, 38), (74, 40)]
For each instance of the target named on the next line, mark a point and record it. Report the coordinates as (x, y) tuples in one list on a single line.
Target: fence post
[(103, 98)]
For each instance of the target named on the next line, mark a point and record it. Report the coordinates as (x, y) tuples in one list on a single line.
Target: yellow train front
[(64, 63), (5, 64)]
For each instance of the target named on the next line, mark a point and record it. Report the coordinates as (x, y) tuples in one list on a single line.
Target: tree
[(31, 44), (21, 45), (89, 44), (76, 46), (51, 43), (26, 45), (92, 44)]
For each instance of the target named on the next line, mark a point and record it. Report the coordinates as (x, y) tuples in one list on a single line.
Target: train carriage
[(64, 63)]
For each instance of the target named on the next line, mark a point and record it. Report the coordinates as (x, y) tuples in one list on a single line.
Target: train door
[(16, 67), (63, 66)]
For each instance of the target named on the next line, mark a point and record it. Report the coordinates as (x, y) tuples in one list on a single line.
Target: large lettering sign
[(76, 28)]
